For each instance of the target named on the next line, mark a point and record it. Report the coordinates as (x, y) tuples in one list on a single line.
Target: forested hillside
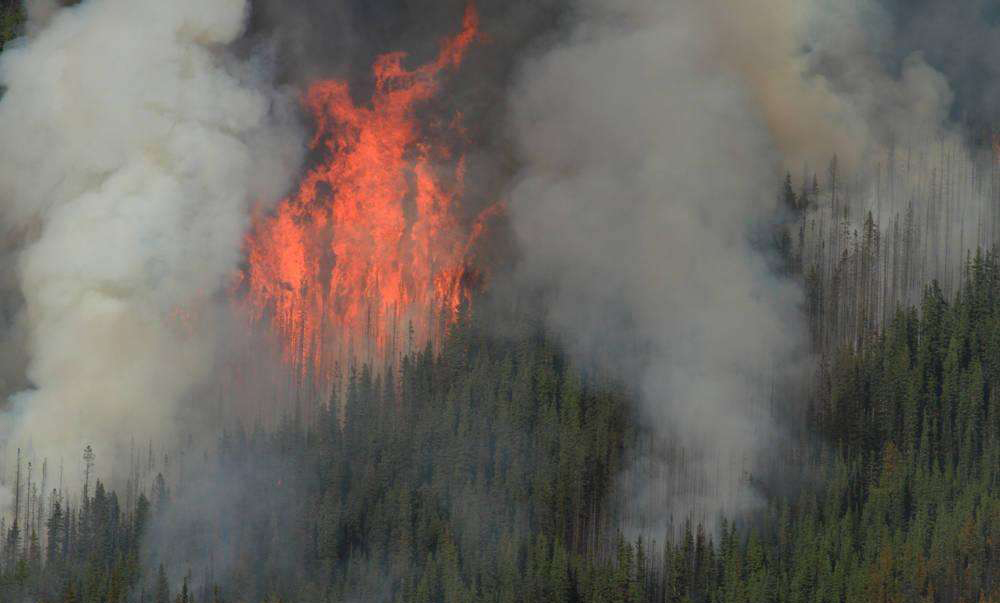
[(467, 478), (488, 466), (483, 474)]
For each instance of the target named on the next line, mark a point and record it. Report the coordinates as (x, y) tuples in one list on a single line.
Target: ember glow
[(369, 256)]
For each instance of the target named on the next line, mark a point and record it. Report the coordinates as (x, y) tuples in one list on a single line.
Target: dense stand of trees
[(903, 504), (486, 470), (482, 473), (438, 481)]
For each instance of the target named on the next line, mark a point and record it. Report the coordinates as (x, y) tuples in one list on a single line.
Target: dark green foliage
[(11, 18), (482, 473), (484, 470), (478, 472)]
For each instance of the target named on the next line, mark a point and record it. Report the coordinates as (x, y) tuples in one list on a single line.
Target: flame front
[(369, 255)]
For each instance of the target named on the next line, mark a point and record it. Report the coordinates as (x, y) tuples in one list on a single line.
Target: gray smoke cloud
[(654, 137), (132, 149), (38, 12), (960, 39), (646, 167), (813, 71)]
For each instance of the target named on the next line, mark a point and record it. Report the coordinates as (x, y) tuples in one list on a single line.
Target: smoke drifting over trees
[(646, 167), (652, 139), (638, 147)]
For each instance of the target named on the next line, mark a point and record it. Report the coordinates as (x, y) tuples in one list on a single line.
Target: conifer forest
[(499, 301)]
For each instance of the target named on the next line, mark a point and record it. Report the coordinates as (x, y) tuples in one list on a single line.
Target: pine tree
[(56, 530), (162, 586)]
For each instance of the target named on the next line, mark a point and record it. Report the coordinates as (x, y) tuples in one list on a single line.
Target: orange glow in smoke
[(370, 245)]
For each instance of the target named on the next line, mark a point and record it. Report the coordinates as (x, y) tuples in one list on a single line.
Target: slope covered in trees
[(483, 474), (446, 480), (488, 470)]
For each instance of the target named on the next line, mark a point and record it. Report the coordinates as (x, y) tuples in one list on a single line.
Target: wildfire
[(369, 255)]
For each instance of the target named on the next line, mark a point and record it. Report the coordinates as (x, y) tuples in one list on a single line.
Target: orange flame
[(370, 243)]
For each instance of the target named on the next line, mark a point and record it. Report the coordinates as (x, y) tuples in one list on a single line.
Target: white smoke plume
[(811, 69), (654, 138), (131, 149)]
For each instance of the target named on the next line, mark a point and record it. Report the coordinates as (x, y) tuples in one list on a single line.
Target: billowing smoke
[(760, 41), (646, 167), (654, 138), (812, 70), (960, 39), (132, 149)]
